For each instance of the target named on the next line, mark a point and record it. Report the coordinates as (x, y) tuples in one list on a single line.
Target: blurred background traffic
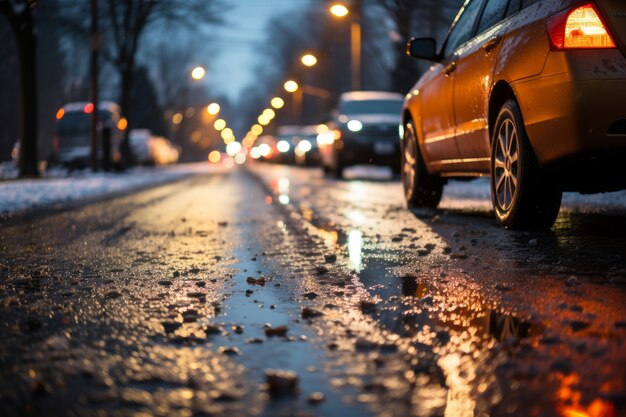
[(107, 84)]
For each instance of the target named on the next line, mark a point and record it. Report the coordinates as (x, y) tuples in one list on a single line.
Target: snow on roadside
[(25, 195), (476, 195)]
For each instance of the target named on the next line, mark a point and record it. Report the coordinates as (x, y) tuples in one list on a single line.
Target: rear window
[(77, 122), (371, 107)]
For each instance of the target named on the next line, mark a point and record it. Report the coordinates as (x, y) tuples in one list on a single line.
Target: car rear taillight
[(579, 28)]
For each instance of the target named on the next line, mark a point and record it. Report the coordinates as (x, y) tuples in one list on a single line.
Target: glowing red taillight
[(88, 108), (579, 28)]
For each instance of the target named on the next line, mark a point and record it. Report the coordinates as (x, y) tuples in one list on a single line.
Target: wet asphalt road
[(177, 300)]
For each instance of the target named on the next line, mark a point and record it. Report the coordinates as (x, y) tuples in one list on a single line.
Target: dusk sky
[(232, 68)]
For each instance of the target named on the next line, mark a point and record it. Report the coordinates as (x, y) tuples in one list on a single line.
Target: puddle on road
[(467, 327), (461, 332), (256, 306)]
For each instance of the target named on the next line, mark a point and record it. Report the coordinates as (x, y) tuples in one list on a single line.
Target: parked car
[(530, 92), (152, 150), (72, 143), (140, 146), (363, 130)]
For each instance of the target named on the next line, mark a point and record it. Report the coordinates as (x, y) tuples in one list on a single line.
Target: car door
[(437, 93), (472, 86)]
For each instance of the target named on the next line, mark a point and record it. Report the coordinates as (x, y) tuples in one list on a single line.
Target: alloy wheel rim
[(506, 165), (408, 165)]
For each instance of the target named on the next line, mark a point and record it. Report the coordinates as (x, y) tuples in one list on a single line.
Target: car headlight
[(355, 126)]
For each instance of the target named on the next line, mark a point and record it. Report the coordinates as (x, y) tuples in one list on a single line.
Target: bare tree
[(124, 24), (20, 16), (416, 18)]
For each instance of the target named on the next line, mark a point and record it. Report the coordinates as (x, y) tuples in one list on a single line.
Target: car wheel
[(421, 189), (396, 169), (522, 193), (338, 171)]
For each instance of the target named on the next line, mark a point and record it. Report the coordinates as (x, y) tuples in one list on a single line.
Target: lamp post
[(339, 10), (298, 91)]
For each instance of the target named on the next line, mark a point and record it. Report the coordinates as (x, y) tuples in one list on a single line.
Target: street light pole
[(340, 11), (355, 37)]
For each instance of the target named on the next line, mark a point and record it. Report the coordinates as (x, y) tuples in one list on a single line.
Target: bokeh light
[(177, 118), (256, 130), (215, 157), (309, 60), (277, 103), (198, 73), (213, 109), (233, 148), (291, 86), (219, 124), (339, 10)]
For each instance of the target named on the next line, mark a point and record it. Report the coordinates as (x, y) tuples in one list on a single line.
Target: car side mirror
[(423, 48)]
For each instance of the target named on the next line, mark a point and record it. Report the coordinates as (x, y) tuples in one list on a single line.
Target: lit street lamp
[(309, 60), (291, 86), (340, 10), (213, 109), (277, 103), (198, 73)]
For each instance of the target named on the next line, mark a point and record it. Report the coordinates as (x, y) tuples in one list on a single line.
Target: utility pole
[(93, 85)]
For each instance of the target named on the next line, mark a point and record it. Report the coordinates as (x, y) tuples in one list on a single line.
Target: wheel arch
[(501, 93)]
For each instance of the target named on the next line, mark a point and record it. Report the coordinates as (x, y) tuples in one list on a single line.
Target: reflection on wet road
[(185, 299), (516, 323)]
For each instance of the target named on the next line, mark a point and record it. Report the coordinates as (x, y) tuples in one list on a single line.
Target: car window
[(463, 28), (514, 7), (493, 13), (528, 3), (371, 107)]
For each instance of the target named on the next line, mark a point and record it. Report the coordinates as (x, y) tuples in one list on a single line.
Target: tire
[(421, 189), (396, 169), (523, 195), (338, 170)]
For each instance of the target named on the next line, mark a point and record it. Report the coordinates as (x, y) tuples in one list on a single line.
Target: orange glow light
[(339, 10), (60, 114), (584, 29), (122, 124), (581, 28), (215, 157)]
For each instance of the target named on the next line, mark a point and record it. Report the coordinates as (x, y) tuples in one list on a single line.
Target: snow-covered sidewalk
[(59, 187)]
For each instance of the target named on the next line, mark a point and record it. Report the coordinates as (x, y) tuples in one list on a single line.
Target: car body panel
[(436, 124), (473, 80)]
